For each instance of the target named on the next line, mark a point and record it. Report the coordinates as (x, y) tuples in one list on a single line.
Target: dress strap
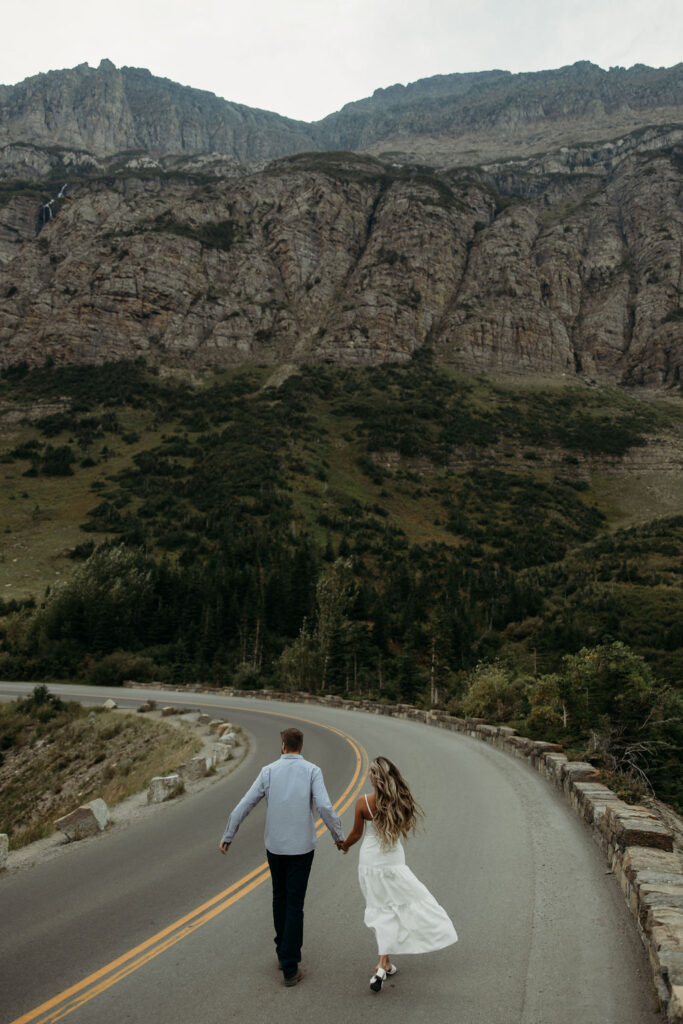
[(372, 817)]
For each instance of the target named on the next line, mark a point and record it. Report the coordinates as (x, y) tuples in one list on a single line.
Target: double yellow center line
[(72, 998)]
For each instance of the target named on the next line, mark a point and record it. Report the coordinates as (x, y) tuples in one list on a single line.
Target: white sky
[(306, 59)]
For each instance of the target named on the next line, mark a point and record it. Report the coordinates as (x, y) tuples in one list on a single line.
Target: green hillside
[(403, 532)]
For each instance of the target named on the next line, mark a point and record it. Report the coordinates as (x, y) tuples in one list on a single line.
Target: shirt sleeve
[(324, 805), (246, 804)]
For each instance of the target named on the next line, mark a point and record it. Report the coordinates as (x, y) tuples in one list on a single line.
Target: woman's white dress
[(401, 911)]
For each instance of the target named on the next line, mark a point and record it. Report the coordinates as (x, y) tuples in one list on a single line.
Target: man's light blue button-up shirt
[(292, 787)]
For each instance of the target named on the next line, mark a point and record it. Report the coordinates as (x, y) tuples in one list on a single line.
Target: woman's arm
[(358, 822)]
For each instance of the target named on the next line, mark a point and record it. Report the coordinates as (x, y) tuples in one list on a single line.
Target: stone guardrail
[(636, 843)]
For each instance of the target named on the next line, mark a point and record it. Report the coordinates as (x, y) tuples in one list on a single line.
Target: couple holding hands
[(400, 910)]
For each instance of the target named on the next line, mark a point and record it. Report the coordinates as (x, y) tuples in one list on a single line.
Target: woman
[(401, 911)]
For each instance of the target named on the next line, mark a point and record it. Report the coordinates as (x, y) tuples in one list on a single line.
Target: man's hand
[(224, 847), (340, 846)]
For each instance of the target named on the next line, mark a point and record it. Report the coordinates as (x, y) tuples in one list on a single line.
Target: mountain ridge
[(107, 109), (559, 259)]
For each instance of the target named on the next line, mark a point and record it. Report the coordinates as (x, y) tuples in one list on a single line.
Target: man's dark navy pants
[(289, 874)]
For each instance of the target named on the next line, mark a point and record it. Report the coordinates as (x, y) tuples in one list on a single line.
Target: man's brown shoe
[(294, 979)]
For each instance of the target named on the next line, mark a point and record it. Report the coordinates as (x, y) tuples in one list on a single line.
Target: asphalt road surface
[(151, 923)]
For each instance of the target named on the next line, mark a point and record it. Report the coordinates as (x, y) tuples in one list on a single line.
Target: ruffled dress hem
[(400, 910)]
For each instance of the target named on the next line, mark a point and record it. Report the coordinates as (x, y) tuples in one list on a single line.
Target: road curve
[(545, 937)]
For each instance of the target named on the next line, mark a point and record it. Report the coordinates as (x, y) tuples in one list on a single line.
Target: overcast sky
[(306, 58)]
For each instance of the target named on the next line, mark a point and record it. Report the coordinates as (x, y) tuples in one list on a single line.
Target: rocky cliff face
[(447, 120), (568, 263), (460, 119), (108, 110)]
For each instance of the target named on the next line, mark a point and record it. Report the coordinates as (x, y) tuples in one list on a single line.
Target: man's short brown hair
[(293, 740)]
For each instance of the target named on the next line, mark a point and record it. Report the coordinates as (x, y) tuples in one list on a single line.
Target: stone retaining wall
[(636, 843)]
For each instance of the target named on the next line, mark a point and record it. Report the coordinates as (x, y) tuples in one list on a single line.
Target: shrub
[(494, 693), (115, 668), (247, 677)]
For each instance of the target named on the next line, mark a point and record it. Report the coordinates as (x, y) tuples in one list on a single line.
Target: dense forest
[(397, 532)]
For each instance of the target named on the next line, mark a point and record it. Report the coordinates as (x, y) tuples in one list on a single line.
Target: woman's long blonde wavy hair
[(397, 812)]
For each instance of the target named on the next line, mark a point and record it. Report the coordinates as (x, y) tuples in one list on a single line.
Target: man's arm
[(324, 805), (246, 804)]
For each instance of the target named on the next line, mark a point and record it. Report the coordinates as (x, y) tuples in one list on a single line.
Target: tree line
[(362, 532)]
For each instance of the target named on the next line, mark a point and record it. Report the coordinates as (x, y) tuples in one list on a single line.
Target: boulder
[(163, 787), (144, 708), (215, 724), (87, 820), (4, 850), (225, 727), (168, 710), (196, 768), (221, 752), (203, 719), (110, 704), (228, 739)]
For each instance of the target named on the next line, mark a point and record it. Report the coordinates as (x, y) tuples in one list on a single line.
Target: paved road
[(545, 937)]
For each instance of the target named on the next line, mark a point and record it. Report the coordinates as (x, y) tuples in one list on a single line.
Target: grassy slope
[(40, 517), (390, 456)]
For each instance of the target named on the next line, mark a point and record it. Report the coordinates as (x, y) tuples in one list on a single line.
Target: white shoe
[(376, 980), (392, 970)]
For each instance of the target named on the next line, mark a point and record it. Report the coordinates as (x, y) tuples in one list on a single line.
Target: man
[(291, 787)]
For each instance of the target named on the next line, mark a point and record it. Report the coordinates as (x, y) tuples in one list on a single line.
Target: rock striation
[(568, 263)]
